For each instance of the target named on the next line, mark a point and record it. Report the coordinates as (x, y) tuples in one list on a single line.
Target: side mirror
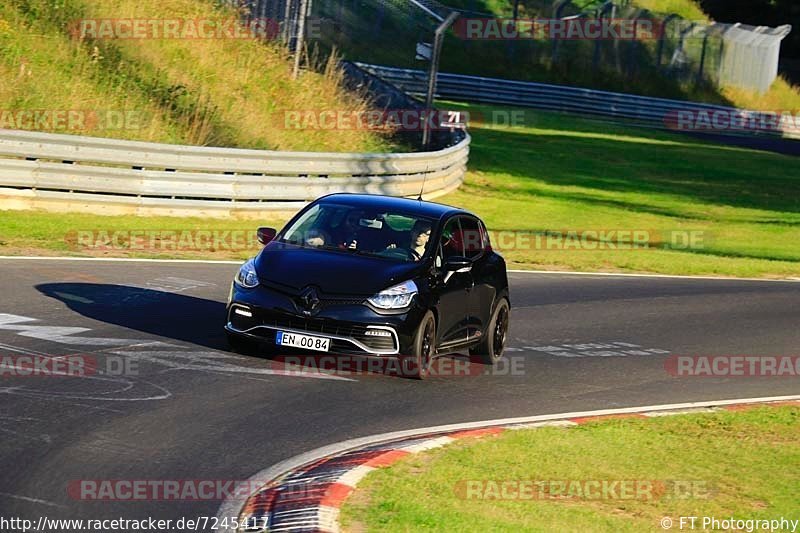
[(265, 235), (454, 265), (457, 263)]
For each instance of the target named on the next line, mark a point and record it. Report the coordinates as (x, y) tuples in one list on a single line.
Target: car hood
[(333, 272)]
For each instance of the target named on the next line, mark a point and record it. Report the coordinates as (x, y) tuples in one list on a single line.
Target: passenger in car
[(350, 232)]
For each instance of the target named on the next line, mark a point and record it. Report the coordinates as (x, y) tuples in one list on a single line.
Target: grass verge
[(554, 173), (222, 91), (723, 464)]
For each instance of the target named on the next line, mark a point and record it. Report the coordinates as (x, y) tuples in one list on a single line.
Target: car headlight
[(396, 297), (247, 277)]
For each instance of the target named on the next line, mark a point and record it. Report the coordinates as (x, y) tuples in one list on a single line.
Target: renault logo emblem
[(309, 299)]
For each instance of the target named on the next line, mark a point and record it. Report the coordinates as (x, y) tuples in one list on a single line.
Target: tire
[(417, 364), (490, 350)]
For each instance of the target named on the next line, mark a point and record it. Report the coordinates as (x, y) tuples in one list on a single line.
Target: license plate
[(296, 340)]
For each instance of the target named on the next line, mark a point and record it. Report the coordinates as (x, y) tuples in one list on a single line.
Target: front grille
[(315, 325), (329, 302)]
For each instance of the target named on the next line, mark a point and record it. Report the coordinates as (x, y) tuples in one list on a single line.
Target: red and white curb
[(305, 493)]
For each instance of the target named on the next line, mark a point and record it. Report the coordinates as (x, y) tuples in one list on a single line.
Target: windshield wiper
[(354, 251)]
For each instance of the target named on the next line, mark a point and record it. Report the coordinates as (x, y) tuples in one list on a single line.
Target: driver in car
[(418, 241)]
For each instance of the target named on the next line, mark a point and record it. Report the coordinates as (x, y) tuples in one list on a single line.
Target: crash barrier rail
[(47, 170), (659, 113)]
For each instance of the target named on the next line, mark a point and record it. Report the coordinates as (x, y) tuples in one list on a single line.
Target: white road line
[(429, 444), (62, 334), (26, 351), (631, 275), (32, 500), (232, 506), (352, 477)]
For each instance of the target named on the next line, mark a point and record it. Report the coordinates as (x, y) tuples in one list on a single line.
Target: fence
[(692, 52), (66, 172), (657, 113), (681, 56)]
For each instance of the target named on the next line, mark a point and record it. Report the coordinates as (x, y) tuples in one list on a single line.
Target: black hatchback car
[(375, 276)]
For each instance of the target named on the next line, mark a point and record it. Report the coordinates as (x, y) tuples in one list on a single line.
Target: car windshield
[(354, 229)]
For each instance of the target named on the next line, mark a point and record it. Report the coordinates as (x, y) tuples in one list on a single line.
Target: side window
[(487, 243), (451, 243), (472, 237)]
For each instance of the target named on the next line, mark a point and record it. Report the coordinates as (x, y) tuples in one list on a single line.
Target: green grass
[(741, 464), (557, 173), (688, 9), (217, 92), (25, 232)]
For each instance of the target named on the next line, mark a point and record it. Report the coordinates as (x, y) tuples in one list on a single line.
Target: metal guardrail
[(56, 171), (659, 113)]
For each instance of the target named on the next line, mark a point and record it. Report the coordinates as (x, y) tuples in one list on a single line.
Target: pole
[(285, 30), (301, 30), (699, 79), (438, 38), (662, 37)]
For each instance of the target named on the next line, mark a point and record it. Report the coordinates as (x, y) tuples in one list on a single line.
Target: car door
[(452, 290), (481, 294)]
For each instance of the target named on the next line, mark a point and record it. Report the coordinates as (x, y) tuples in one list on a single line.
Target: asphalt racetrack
[(185, 408)]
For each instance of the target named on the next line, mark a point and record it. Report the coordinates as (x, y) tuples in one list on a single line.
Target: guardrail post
[(379, 19), (699, 78), (633, 45), (601, 14), (662, 37), (558, 10), (286, 31), (721, 58), (438, 37)]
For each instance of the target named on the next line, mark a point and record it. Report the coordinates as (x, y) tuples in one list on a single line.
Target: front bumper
[(353, 327)]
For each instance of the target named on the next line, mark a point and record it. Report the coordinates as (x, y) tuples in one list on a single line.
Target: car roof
[(406, 205)]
